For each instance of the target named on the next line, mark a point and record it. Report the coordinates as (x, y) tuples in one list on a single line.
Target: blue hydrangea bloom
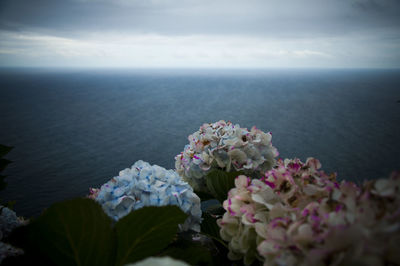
[(148, 185)]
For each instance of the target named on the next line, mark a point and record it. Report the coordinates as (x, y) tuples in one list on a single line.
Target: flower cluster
[(159, 261), (298, 215), (8, 222), (148, 185), (226, 146)]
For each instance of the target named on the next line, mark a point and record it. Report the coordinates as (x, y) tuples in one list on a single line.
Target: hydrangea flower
[(298, 215), (159, 261), (223, 145), (148, 185), (8, 222)]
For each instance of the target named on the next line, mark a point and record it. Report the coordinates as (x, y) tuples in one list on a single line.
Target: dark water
[(74, 129)]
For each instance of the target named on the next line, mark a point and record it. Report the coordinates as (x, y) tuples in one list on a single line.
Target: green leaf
[(189, 252), (220, 182), (210, 228), (146, 232), (204, 195), (19, 237), (4, 150), (215, 209), (74, 232)]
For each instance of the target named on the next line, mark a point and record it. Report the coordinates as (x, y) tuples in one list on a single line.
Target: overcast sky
[(200, 33)]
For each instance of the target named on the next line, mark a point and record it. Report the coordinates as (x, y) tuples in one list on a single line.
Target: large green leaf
[(4, 150), (220, 182), (210, 228), (75, 232), (146, 232), (191, 252)]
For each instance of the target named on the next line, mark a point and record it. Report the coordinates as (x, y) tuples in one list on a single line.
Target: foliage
[(146, 232), (78, 232), (220, 182), (189, 251), (210, 228), (3, 164)]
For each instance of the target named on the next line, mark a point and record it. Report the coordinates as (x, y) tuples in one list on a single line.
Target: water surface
[(74, 129)]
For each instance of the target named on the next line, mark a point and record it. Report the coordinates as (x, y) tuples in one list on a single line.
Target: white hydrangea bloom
[(226, 146), (159, 261), (148, 185)]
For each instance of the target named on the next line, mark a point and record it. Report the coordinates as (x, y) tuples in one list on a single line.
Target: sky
[(200, 33)]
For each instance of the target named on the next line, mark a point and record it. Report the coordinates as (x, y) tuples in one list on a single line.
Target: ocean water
[(75, 129)]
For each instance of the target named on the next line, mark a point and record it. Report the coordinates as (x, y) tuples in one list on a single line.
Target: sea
[(72, 129)]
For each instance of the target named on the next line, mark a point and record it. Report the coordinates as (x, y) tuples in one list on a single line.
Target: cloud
[(253, 33), (154, 50), (253, 17)]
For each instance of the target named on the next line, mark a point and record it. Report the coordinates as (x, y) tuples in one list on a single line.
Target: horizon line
[(197, 68)]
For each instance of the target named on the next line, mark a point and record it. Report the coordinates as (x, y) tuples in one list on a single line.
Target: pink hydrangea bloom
[(298, 215)]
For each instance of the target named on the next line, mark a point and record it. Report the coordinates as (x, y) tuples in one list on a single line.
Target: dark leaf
[(4, 150), (19, 237), (74, 232), (220, 182), (4, 163), (215, 209), (204, 195), (189, 252), (3, 184), (210, 228), (146, 232)]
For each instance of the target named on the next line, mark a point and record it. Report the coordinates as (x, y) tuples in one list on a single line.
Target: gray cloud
[(315, 33), (253, 17)]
